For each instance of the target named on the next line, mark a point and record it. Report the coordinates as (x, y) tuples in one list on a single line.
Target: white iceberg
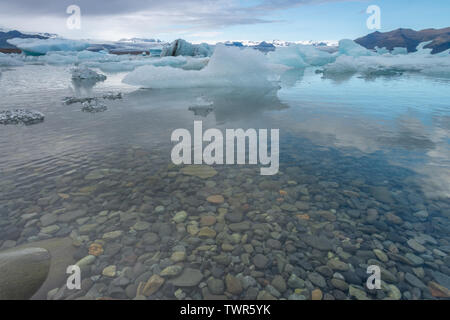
[(228, 67), (34, 46), (181, 47)]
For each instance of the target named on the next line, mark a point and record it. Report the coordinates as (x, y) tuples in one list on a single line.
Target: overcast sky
[(217, 20)]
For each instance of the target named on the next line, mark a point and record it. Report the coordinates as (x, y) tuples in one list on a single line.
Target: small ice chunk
[(113, 96), (84, 73), (72, 100), (21, 116), (91, 100), (93, 106), (202, 111)]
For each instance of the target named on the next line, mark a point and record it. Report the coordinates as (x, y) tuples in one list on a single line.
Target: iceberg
[(181, 47), (92, 100), (21, 116), (300, 56), (288, 56), (351, 48), (127, 65), (84, 73), (381, 50), (32, 46), (421, 61), (399, 50), (58, 58), (227, 67)]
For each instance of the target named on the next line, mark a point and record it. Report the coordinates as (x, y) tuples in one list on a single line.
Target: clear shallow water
[(364, 169)]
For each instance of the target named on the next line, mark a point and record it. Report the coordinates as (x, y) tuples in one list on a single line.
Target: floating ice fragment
[(21, 116), (91, 100), (84, 73), (113, 96), (93, 106), (202, 111), (72, 100)]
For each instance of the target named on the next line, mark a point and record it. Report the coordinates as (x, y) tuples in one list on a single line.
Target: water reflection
[(355, 161), (84, 87)]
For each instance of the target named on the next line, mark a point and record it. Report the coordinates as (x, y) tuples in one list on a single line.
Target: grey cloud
[(203, 12)]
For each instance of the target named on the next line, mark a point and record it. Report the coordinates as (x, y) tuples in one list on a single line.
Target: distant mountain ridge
[(408, 38)]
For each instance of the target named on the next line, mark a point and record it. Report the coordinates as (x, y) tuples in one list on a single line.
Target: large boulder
[(22, 272), (61, 252)]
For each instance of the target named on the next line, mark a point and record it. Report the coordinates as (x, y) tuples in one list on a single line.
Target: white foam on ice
[(227, 67)]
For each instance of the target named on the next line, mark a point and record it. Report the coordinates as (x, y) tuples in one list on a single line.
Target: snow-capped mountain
[(281, 43)]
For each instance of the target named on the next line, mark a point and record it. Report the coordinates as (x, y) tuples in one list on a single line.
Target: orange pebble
[(95, 249)]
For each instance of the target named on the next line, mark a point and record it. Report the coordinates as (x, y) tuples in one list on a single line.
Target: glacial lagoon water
[(364, 180)]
